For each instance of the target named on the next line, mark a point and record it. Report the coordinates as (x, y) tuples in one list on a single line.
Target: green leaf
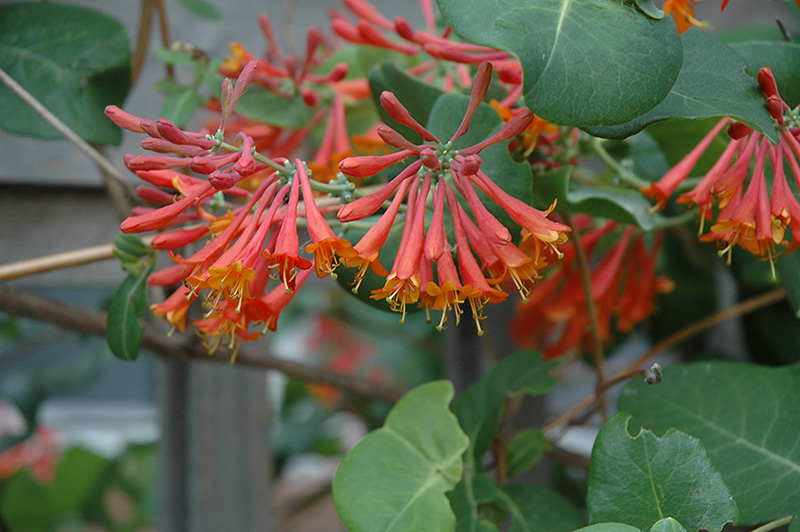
[(416, 95), (678, 137), (667, 524), (26, 505), (794, 525), (124, 332), (782, 57), (537, 509), (525, 450), (745, 415), (79, 472), (788, 268), (588, 62), (179, 106), (515, 178), (472, 493), (609, 527), (480, 408), (640, 480), (650, 9), (529, 508), (75, 61), (262, 105), (712, 82), (202, 8), (621, 204), (396, 477)]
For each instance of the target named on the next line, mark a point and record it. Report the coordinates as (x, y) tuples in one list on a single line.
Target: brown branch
[(93, 321), (739, 309), (591, 307)]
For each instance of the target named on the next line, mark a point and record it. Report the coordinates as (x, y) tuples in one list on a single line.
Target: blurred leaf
[(609, 527), (27, 506), (416, 95), (75, 61), (472, 493), (642, 479), (622, 204), (582, 61), (745, 415), (396, 477), (525, 450), (78, 474), (782, 57), (179, 106), (537, 509), (480, 408), (712, 82), (202, 9)]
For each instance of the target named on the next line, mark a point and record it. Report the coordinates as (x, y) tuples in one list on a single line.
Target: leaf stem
[(772, 525), (591, 307), (625, 174)]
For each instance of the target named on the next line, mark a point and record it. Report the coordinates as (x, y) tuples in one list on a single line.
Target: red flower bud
[(767, 82), (223, 180), (123, 119), (738, 130)]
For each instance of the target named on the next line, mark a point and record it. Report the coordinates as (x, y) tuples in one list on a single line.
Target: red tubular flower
[(624, 286), (749, 214), (439, 164)]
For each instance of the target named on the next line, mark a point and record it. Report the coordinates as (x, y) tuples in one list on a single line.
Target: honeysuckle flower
[(441, 170), (284, 74), (683, 13), (624, 287), (749, 214)]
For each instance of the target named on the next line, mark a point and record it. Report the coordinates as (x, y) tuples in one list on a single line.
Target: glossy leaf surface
[(585, 62), (713, 82)]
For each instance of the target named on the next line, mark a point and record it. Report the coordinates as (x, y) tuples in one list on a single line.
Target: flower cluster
[(745, 212), (445, 173), (624, 286)]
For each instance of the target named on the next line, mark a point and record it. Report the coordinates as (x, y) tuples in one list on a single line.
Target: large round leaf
[(713, 82), (585, 62), (75, 61), (395, 479)]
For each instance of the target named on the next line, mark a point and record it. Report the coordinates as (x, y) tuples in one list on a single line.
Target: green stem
[(772, 525), (626, 175)]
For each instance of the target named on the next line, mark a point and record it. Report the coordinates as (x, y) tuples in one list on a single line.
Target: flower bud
[(738, 130), (775, 108), (430, 159), (767, 81), (223, 180), (123, 119)]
